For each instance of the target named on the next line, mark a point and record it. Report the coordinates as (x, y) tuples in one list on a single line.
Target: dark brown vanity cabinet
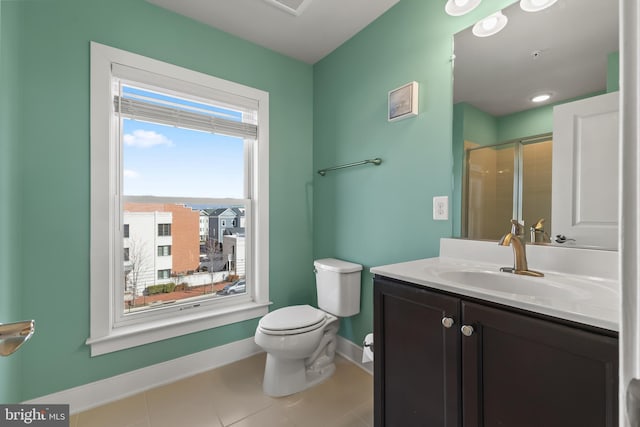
[(443, 360), (416, 359)]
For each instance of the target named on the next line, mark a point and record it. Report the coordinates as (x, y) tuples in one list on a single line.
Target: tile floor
[(232, 396)]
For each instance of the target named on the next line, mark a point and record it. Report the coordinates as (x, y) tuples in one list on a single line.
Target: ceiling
[(496, 74), (322, 26), (499, 74)]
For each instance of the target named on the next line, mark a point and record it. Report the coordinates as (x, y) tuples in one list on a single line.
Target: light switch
[(441, 208)]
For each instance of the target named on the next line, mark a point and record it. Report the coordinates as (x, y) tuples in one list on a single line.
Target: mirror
[(568, 50)]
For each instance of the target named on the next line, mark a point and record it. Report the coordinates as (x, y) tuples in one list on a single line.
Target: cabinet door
[(416, 358), (526, 372)]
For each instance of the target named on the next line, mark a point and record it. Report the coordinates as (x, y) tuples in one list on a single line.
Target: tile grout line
[(249, 415)]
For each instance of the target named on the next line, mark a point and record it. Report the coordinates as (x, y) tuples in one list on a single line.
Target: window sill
[(135, 335)]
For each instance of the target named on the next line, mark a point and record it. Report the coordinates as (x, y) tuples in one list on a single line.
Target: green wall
[(10, 382), (479, 127), (613, 72), (377, 215), (45, 176), (469, 124)]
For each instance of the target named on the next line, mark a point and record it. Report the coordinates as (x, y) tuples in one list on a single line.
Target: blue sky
[(163, 160)]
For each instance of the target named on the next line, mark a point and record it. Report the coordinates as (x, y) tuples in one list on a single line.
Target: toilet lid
[(290, 318)]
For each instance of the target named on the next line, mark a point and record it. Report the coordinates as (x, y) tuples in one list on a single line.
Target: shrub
[(154, 289), (159, 289)]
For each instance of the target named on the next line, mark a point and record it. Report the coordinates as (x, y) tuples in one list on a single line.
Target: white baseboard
[(104, 391), (353, 352)]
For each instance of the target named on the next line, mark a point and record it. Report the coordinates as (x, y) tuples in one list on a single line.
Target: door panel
[(585, 171)]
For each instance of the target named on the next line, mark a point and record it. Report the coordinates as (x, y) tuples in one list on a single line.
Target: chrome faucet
[(538, 234), (519, 255)]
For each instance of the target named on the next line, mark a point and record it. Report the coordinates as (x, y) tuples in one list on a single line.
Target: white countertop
[(584, 299)]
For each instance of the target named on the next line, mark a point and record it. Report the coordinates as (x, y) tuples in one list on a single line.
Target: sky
[(165, 161)]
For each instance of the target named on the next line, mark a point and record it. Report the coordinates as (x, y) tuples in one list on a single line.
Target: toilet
[(300, 340)]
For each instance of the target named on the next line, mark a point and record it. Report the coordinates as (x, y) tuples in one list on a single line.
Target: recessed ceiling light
[(541, 98), (460, 7), (490, 25), (535, 5)]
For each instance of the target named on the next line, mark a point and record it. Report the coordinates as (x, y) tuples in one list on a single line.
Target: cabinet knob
[(467, 330), (447, 322)]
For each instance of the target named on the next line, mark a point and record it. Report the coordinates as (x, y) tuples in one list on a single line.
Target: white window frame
[(106, 333)]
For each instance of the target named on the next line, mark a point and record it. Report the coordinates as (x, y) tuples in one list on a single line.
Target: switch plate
[(441, 208)]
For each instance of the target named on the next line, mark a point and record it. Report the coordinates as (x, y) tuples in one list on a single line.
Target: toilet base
[(283, 377)]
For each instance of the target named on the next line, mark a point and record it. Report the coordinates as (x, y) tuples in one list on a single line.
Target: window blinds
[(138, 109), (182, 114)]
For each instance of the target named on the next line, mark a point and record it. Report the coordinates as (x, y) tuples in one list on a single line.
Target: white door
[(584, 195), (629, 218)]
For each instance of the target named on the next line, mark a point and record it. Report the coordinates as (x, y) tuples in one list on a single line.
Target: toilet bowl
[(300, 340), (300, 355)]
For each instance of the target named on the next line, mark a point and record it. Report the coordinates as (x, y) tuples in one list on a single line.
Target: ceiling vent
[(294, 7)]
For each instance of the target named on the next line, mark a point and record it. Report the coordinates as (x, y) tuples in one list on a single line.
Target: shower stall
[(506, 181)]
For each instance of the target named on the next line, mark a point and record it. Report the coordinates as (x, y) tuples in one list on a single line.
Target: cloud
[(146, 139), (128, 173)]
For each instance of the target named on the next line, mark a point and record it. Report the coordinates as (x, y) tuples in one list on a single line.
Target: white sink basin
[(591, 300), (515, 284)]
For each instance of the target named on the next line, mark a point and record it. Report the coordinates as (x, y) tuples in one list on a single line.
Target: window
[(164, 274), (156, 132), (164, 229), (164, 250)]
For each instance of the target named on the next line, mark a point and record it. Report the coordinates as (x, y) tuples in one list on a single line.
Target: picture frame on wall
[(403, 102)]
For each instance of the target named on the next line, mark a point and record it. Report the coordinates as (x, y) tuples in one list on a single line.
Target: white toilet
[(300, 340)]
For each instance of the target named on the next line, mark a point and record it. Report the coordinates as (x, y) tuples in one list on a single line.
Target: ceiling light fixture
[(460, 7), (490, 25), (535, 5), (541, 98)]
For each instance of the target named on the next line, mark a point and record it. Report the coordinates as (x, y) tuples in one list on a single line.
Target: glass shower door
[(506, 181), (490, 190)]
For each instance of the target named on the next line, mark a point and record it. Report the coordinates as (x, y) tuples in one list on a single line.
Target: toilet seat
[(296, 319)]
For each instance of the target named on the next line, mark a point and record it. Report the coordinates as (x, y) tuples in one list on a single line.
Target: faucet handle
[(517, 229), (539, 225)]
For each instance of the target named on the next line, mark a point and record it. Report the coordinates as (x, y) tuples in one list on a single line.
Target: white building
[(204, 226), (234, 253), (147, 249)]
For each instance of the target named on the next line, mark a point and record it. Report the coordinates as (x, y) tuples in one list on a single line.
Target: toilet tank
[(338, 286)]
